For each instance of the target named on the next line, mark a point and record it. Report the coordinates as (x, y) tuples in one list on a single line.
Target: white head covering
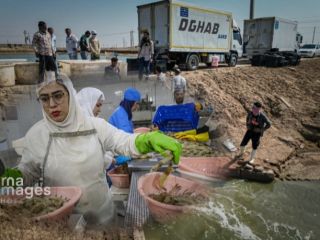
[(88, 98), (75, 119)]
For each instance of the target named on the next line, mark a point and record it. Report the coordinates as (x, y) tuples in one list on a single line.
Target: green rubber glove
[(158, 142), (10, 173)]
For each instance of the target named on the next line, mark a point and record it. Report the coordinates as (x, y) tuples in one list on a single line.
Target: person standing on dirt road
[(95, 46), (179, 86), (145, 55), (71, 44), (54, 47), (84, 45), (257, 124), (42, 46)]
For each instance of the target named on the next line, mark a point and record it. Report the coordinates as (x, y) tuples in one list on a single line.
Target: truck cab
[(237, 43)]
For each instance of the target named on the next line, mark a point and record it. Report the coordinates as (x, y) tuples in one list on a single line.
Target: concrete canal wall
[(26, 73), (75, 67)]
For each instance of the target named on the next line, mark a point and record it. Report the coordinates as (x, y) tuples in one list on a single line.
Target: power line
[(113, 34), (308, 17), (309, 27)]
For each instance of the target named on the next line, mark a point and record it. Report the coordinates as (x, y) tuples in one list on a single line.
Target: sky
[(114, 19)]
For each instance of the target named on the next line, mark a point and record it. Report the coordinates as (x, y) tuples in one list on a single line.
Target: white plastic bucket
[(7, 75)]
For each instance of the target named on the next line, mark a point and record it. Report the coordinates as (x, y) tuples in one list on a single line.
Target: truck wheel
[(233, 60), (193, 62)]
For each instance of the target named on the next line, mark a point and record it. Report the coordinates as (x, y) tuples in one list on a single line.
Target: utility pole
[(314, 33), (251, 9), (131, 39), (26, 37)]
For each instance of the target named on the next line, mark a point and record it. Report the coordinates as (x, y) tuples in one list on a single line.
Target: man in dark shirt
[(257, 123), (84, 45)]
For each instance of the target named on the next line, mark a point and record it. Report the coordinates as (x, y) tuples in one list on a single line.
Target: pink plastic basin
[(119, 180), (142, 130), (212, 167), (162, 212), (72, 194)]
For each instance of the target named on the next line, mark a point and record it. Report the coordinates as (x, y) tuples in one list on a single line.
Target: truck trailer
[(188, 35), (264, 34)]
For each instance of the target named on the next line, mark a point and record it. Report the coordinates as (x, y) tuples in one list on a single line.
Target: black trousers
[(255, 139), (46, 63)]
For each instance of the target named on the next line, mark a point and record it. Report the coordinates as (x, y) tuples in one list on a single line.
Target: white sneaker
[(251, 161)]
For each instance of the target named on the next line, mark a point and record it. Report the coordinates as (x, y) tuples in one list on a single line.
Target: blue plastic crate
[(176, 118)]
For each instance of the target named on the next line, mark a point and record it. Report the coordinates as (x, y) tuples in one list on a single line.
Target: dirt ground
[(22, 228), (291, 100)]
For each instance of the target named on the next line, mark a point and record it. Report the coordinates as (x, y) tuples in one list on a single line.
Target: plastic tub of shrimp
[(54, 204), (178, 195)]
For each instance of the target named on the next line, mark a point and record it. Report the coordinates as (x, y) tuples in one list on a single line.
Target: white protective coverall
[(88, 98), (70, 153)]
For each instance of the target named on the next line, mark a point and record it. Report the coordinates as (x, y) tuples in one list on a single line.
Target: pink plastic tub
[(162, 212), (72, 194), (118, 179), (210, 167)]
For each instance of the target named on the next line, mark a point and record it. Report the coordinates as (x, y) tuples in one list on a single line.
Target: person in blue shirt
[(121, 118)]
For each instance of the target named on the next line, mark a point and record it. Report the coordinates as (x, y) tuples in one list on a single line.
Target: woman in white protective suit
[(66, 148), (90, 100)]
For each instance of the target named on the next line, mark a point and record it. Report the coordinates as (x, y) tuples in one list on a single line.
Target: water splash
[(228, 220)]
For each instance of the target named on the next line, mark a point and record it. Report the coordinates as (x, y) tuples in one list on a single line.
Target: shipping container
[(263, 34)]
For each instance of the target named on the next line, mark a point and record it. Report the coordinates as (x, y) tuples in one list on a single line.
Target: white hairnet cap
[(94, 32)]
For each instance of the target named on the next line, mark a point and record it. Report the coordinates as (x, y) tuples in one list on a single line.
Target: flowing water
[(246, 210)]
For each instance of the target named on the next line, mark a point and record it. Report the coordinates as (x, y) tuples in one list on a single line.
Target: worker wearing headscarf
[(66, 148), (121, 118), (90, 100)]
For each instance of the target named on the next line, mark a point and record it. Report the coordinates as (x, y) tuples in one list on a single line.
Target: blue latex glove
[(120, 160)]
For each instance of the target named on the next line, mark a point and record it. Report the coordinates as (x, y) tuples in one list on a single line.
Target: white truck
[(263, 34), (188, 35)]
